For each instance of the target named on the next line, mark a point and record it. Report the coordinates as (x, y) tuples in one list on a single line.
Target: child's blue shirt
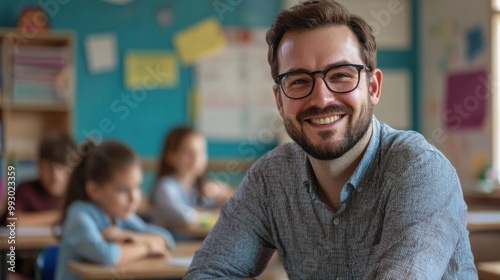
[(82, 240)]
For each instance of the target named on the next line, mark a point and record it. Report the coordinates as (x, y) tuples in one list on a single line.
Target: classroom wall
[(455, 74), (143, 124)]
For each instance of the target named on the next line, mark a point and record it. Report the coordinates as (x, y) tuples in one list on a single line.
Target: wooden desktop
[(149, 268)]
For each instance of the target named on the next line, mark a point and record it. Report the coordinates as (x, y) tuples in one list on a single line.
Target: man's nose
[(321, 95)]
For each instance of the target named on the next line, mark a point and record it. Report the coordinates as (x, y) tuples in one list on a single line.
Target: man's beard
[(327, 151)]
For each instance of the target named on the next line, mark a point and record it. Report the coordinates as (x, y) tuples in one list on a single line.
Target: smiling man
[(350, 198)]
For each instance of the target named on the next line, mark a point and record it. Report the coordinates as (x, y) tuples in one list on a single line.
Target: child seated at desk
[(38, 201), (100, 224), (180, 194)]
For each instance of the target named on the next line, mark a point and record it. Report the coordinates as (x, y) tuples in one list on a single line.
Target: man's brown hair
[(316, 14)]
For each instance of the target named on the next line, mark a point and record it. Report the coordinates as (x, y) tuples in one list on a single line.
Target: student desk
[(483, 220), (26, 239), (488, 270), (195, 230), (156, 268), (149, 268)]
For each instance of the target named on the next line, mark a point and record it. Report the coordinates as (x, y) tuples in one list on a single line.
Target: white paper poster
[(101, 52), (235, 88)]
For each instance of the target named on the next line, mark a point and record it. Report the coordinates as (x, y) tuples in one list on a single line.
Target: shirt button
[(336, 221)]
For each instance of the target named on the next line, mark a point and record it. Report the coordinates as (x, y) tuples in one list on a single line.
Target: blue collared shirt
[(402, 217)]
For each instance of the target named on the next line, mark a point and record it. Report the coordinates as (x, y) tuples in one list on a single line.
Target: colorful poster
[(150, 70), (467, 95), (200, 40)]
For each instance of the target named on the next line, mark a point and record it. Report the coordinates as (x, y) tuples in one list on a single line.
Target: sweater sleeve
[(85, 238), (240, 244), (136, 224), (424, 223)]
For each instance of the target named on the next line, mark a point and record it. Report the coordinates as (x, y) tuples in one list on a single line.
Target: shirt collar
[(360, 171), (368, 157)]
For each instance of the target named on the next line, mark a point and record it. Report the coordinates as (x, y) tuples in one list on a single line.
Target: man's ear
[(375, 85), (92, 190), (279, 101)]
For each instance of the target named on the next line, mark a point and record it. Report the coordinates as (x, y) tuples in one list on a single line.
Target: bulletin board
[(235, 96), (389, 19)]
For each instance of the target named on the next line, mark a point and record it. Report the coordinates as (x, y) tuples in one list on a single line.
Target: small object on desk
[(207, 220), (185, 261)]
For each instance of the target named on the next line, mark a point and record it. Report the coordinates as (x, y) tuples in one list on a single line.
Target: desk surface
[(145, 268), (201, 226), (28, 238), (488, 270), (492, 198), (483, 220), (196, 230)]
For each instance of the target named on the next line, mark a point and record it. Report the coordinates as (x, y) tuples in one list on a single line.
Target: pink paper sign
[(467, 95)]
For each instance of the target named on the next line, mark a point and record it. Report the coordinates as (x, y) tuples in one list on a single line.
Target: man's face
[(308, 120)]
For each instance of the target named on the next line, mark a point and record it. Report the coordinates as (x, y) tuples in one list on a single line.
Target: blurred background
[(131, 70)]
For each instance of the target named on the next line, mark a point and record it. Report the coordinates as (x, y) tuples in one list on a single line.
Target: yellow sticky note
[(202, 39), (150, 70)]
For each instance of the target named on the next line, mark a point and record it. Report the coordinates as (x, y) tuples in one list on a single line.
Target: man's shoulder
[(404, 141), (401, 147), (290, 153), (285, 161)]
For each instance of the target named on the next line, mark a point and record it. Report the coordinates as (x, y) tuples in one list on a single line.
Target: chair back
[(46, 262)]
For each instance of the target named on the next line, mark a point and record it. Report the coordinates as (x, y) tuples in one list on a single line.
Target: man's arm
[(424, 227), (240, 244)]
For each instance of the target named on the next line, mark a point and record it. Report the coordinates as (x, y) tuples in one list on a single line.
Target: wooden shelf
[(40, 106), (43, 66)]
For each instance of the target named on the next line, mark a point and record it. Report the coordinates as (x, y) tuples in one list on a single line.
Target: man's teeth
[(325, 120)]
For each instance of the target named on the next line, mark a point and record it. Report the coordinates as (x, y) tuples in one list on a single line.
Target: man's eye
[(300, 82), (338, 76)]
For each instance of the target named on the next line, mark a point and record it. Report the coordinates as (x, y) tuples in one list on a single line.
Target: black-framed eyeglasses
[(339, 79)]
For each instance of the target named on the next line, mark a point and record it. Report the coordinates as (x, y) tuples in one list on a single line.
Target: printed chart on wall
[(235, 88)]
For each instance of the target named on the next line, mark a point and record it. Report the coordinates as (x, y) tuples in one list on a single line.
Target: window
[(495, 80)]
